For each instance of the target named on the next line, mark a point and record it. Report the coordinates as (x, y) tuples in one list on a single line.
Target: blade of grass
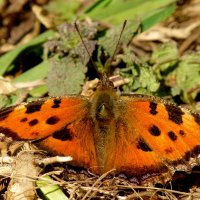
[(49, 190), (115, 11), (7, 59), (38, 72), (158, 16), (39, 91)]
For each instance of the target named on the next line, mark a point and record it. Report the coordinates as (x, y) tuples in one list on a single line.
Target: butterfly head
[(105, 83)]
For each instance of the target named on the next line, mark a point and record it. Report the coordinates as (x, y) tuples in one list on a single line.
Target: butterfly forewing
[(42, 118)]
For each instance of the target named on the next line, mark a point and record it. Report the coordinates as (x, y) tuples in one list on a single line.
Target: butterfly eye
[(104, 82), (110, 83)]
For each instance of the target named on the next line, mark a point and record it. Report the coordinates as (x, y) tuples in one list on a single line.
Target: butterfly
[(142, 137)]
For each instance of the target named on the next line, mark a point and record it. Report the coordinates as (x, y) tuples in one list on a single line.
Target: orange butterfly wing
[(61, 125), (152, 138)]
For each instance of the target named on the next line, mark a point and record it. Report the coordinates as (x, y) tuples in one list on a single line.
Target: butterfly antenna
[(112, 58), (78, 31)]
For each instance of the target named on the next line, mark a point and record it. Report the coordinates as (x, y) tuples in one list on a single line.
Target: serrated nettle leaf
[(127, 57), (68, 35), (68, 74), (142, 78), (187, 77), (144, 81), (88, 30), (69, 41), (66, 77), (131, 61), (175, 91), (68, 32), (165, 56), (164, 52), (148, 80)]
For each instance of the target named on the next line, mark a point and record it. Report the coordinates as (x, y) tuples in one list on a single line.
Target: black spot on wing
[(35, 134), (9, 133), (193, 153), (142, 145), (172, 135), (33, 122), (154, 130), (153, 107), (5, 112), (24, 119), (57, 103), (52, 120), (174, 113), (63, 134), (168, 150), (196, 118), (33, 106), (181, 132)]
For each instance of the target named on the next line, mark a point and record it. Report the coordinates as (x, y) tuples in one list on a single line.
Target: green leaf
[(164, 59), (49, 190), (69, 42), (4, 101), (64, 9), (7, 59), (148, 80), (39, 91), (114, 33), (187, 77), (66, 77), (116, 11), (142, 77), (38, 72), (13, 98), (158, 16)]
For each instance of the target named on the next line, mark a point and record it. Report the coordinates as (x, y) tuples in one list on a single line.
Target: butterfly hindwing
[(75, 140), (131, 154)]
